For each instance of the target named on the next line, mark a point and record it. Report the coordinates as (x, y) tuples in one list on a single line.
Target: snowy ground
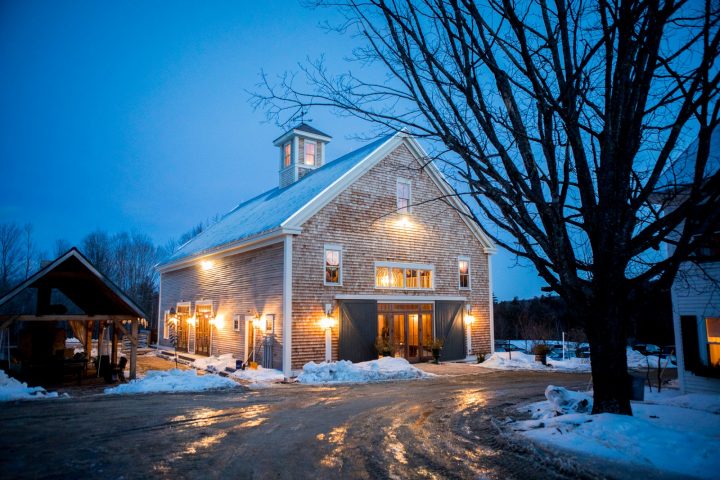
[(524, 361), (172, 381), (259, 377), (215, 363), (386, 368), (668, 432), (11, 389)]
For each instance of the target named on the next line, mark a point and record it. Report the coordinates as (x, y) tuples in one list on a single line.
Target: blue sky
[(135, 115)]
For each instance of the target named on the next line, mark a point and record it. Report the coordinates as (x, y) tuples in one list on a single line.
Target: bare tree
[(562, 119), (97, 247), (10, 251)]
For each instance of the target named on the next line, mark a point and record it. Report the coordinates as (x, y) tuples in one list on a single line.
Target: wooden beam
[(125, 332), (114, 354), (133, 349)]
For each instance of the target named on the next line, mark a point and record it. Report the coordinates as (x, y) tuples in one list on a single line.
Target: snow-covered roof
[(267, 211)]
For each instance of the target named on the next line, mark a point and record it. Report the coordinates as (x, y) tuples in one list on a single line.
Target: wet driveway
[(436, 428)]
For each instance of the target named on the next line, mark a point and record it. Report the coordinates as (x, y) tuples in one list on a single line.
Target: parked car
[(582, 352), (646, 348)]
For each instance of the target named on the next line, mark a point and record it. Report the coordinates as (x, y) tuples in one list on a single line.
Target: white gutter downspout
[(287, 308), (160, 315)]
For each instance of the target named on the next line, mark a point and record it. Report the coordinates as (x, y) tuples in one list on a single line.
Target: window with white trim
[(333, 265), (166, 326), (310, 150), (405, 276), (237, 322), (404, 195), (464, 273), (287, 154)]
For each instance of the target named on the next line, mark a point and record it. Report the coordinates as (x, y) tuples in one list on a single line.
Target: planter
[(436, 355), (541, 357)]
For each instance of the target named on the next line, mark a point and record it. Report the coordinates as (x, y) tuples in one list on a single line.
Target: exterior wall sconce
[(327, 323), (404, 222), (218, 321), (206, 264)]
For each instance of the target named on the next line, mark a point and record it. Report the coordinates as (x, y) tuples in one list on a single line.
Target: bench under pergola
[(92, 293)]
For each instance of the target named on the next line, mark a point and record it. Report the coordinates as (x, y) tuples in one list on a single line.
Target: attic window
[(333, 265), (403, 195), (287, 155), (309, 152)]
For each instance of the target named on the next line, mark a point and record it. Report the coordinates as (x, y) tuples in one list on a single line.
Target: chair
[(120, 369)]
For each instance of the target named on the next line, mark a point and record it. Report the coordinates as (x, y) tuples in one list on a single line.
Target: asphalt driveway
[(437, 428)]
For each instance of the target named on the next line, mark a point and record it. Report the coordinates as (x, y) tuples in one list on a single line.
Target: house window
[(403, 276), (403, 195), (309, 153), (166, 326), (333, 265), (464, 273), (712, 326), (236, 323), (287, 154)]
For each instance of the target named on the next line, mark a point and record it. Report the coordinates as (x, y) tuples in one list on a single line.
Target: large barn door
[(449, 327), (358, 330)]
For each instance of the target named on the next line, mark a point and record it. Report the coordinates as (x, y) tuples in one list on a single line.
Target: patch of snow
[(215, 364), (524, 361), (344, 371), (665, 437), (259, 377), (172, 381), (12, 389)]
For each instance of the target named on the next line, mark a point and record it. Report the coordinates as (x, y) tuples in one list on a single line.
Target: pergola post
[(114, 355), (88, 341), (133, 348)]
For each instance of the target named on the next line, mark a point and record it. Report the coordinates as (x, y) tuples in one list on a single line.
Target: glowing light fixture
[(206, 264), (404, 222), (218, 322), (469, 319), (327, 323), (192, 321)]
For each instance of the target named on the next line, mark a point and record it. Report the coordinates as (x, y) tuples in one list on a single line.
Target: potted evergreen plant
[(435, 346), (383, 345)]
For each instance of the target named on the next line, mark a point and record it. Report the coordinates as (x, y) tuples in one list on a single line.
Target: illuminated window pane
[(287, 154), (464, 270), (425, 279), (397, 278), (332, 266), (309, 153), (382, 277), (411, 278)]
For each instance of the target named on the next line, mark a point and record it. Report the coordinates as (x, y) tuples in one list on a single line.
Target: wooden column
[(133, 349), (88, 340), (114, 355), (101, 333)]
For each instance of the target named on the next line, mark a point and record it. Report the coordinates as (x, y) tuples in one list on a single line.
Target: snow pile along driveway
[(11, 389), (259, 377), (524, 361), (344, 371), (172, 381), (215, 363), (672, 439)]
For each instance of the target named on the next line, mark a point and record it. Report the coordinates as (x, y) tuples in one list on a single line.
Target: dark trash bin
[(637, 388)]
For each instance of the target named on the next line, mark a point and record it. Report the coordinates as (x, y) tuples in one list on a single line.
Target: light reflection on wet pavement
[(438, 428)]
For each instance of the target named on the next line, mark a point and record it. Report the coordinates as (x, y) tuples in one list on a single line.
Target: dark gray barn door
[(449, 327), (358, 330)]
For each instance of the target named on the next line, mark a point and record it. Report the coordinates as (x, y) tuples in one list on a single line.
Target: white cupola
[(302, 149)]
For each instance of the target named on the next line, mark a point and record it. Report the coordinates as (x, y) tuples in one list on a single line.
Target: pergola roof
[(75, 277)]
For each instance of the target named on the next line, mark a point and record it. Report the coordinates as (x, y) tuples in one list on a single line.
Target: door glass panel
[(413, 338), (399, 333), (427, 334)]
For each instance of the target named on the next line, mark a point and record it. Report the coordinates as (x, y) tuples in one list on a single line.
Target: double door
[(407, 328)]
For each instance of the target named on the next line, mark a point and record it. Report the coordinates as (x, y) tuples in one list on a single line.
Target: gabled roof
[(87, 288), (284, 210), (303, 129)]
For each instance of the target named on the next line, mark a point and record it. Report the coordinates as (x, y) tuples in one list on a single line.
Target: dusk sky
[(134, 116)]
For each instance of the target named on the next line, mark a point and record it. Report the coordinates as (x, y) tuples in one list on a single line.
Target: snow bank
[(11, 389), (172, 381), (260, 377), (215, 364), (386, 368), (664, 437), (524, 361)]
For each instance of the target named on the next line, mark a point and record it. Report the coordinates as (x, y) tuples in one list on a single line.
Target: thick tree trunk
[(606, 329)]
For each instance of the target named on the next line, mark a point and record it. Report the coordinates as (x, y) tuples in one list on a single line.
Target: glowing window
[(464, 273), (403, 276), (309, 153), (333, 265), (287, 154)]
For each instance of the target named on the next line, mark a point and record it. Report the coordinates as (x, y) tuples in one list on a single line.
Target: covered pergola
[(86, 296)]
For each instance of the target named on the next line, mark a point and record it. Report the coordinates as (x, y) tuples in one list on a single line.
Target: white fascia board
[(301, 133), (297, 219), (245, 245), (439, 179)]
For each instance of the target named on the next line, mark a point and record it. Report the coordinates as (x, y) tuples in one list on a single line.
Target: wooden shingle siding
[(362, 220), (242, 284)]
